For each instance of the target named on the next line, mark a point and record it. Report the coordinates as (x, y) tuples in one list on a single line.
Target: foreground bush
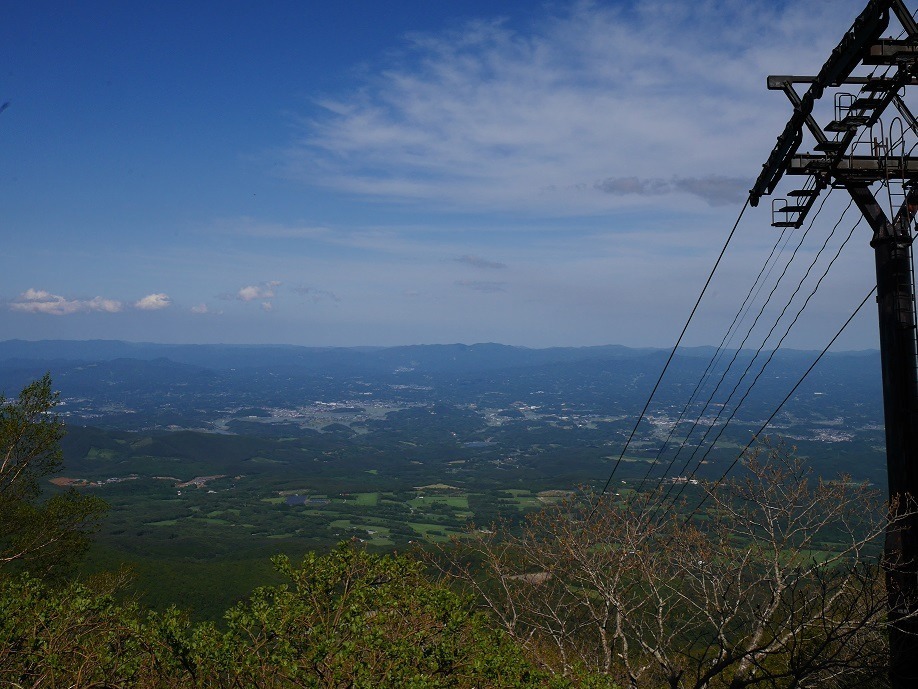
[(347, 619), (71, 637)]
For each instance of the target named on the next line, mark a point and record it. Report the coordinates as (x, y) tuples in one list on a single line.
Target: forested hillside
[(777, 585), (214, 458)]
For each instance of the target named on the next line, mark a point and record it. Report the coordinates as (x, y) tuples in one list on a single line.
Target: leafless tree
[(776, 583)]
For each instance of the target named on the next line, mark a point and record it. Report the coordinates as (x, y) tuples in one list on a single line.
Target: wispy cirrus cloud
[(316, 294), (479, 262), (715, 190), (247, 226), (487, 117), (42, 301), (153, 302)]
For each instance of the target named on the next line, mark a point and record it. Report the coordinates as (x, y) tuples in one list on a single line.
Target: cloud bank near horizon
[(44, 302), (39, 301)]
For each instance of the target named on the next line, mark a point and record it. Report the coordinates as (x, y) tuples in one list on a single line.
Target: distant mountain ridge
[(430, 358), (433, 358), (613, 378), (570, 404)]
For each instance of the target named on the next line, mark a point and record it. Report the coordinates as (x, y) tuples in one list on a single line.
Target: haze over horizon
[(149, 343), (560, 174)]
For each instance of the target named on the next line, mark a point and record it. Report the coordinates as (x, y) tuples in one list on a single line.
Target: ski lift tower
[(871, 160)]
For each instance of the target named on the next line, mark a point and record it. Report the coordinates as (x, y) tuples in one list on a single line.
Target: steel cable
[(771, 355), (670, 358), (739, 349), (715, 358), (756, 435)]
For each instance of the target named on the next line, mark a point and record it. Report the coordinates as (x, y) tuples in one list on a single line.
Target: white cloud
[(199, 308), (483, 117), (42, 301), (252, 292), (107, 305), (153, 302), (263, 291), (267, 306)]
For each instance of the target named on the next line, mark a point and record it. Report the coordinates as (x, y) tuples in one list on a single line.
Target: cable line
[(739, 349), (670, 358), (738, 320), (713, 362), (783, 402), (719, 351), (775, 350), (761, 346), (771, 355)]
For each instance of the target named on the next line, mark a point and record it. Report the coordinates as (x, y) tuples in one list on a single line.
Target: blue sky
[(368, 173)]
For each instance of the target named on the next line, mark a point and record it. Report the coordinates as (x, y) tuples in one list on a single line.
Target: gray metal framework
[(836, 162)]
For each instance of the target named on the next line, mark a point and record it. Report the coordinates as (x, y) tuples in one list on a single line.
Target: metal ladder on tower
[(792, 211)]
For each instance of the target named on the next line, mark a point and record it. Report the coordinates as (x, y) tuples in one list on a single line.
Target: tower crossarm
[(847, 55), (859, 169), (839, 161)]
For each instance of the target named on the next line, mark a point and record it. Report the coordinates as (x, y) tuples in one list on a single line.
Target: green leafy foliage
[(46, 536), (71, 636), (351, 618), (346, 619)]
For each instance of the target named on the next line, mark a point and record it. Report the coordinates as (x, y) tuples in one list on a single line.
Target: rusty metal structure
[(876, 162)]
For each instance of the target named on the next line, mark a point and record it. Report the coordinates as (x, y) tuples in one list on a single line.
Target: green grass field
[(459, 502), (365, 499)]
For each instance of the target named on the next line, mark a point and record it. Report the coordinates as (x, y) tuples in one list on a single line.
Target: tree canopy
[(45, 536)]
